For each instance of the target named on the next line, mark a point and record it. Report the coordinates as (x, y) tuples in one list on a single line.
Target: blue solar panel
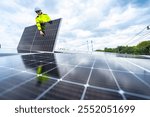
[(66, 77)]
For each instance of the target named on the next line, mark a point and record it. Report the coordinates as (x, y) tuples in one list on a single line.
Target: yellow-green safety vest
[(42, 18)]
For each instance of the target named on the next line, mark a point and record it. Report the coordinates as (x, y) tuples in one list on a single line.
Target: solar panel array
[(31, 39), (60, 76), (74, 76)]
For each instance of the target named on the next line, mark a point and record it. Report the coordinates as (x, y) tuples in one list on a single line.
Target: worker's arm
[(38, 25)]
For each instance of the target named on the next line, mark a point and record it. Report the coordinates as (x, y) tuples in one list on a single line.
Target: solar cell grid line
[(71, 82), (78, 66), (103, 88), (137, 95), (137, 65), (91, 86), (111, 69), (41, 95), (87, 83), (137, 77), (131, 97), (53, 78), (120, 71), (120, 90)]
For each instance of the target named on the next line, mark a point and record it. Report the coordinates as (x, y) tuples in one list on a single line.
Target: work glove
[(41, 33)]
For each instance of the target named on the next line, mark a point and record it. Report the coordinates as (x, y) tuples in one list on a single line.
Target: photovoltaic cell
[(92, 93), (131, 97), (129, 82), (103, 78), (64, 91)]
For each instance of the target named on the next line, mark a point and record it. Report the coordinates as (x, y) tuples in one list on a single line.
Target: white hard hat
[(37, 9)]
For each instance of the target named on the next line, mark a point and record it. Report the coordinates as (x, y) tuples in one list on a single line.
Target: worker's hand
[(41, 33)]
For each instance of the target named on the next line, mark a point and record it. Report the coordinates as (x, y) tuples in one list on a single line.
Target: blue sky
[(108, 23)]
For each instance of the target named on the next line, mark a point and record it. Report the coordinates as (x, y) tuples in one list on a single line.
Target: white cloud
[(106, 22), (117, 16), (82, 33)]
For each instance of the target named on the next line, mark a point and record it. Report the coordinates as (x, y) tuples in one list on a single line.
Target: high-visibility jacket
[(41, 19)]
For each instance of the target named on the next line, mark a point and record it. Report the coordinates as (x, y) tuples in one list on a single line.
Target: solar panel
[(32, 41), (103, 78), (97, 94), (62, 92), (73, 76)]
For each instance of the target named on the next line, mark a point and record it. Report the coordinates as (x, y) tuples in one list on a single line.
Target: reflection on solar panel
[(31, 40), (74, 76)]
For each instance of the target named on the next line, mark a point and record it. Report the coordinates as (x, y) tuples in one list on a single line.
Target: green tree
[(141, 48)]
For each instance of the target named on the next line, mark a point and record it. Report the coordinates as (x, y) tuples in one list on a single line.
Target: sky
[(86, 24)]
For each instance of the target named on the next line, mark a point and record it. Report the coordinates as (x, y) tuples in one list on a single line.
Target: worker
[(41, 21)]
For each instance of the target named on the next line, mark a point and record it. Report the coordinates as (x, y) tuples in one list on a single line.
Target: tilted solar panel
[(31, 39)]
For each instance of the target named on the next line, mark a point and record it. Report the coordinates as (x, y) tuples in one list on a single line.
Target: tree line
[(142, 48)]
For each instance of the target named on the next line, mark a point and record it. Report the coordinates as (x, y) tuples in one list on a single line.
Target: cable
[(138, 34), (135, 36), (141, 36)]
